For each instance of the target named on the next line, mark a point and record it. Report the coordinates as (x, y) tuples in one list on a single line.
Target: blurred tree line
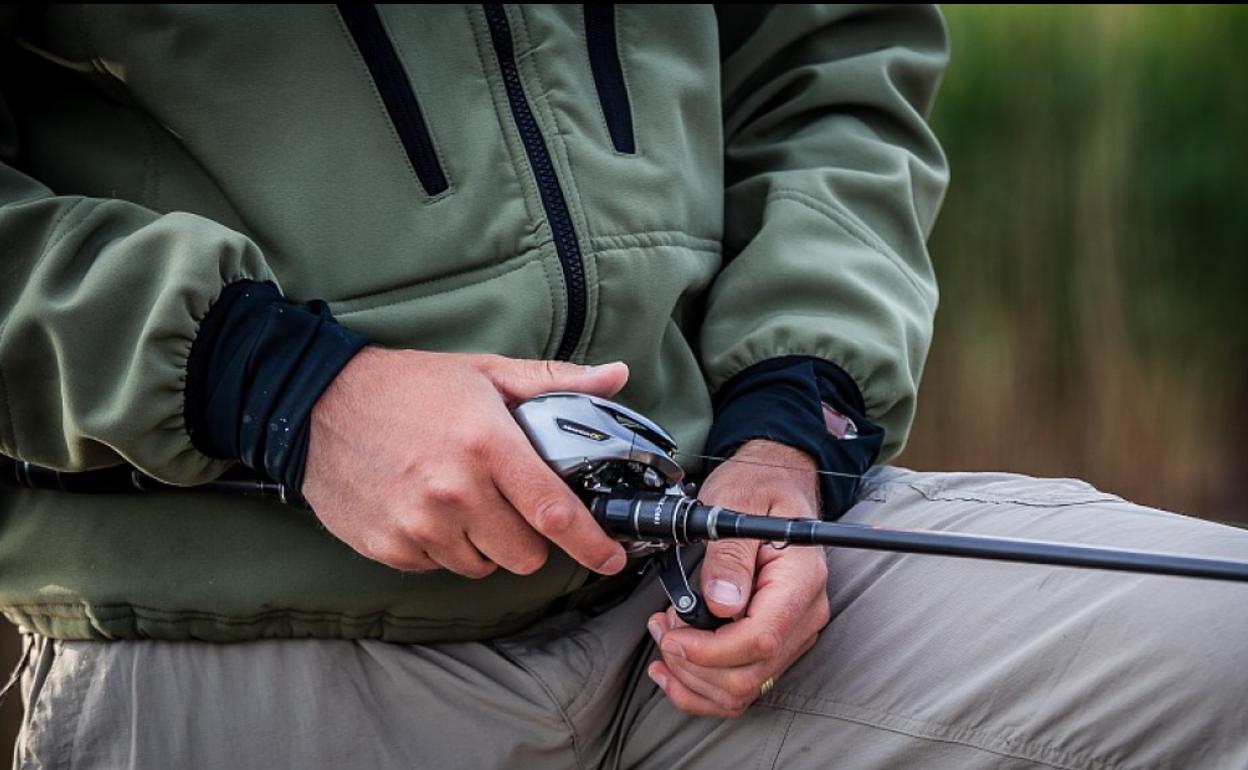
[(1092, 252)]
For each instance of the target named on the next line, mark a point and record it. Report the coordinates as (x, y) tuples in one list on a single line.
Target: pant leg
[(309, 704), (934, 662), (550, 697), (928, 662)]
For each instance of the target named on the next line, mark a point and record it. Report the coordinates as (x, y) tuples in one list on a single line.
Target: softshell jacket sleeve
[(833, 180), (99, 304)]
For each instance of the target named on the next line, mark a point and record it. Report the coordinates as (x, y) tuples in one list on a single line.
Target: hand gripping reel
[(610, 454)]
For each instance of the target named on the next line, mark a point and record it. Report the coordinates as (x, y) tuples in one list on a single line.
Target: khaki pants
[(928, 662)]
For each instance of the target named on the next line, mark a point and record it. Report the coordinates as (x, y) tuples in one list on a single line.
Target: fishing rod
[(119, 479), (622, 465)]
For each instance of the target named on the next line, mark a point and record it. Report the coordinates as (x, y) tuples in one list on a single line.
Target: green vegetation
[(1093, 252)]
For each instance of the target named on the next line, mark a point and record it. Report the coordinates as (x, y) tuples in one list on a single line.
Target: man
[(732, 203)]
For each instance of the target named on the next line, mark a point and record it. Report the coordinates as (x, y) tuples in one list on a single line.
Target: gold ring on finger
[(766, 686)]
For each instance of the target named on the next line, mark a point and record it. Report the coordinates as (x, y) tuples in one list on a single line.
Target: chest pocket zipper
[(370, 38), (604, 61)]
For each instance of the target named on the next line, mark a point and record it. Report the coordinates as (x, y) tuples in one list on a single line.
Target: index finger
[(550, 507), (740, 643), (773, 614)]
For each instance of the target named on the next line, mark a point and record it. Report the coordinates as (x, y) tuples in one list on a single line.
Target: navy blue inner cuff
[(256, 369), (782, 399)]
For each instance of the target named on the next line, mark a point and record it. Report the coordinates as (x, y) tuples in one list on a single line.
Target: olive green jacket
[(687, 193)]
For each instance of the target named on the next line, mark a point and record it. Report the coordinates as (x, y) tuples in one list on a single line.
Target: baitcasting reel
[(618, 460)]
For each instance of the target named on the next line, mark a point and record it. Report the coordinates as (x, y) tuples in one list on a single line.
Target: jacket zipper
[(604, 62), (369, 34), (549, 189)]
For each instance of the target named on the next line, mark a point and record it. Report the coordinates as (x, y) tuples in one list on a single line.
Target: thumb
[(519, 379), (728, 576)]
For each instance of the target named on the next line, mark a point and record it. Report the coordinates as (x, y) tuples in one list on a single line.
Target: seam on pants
[(597, 676), (59, 710), (978, 496), (784, 736), (1031, 751), (974, 487), (995, 487), (988, 498), (15, 676), (38, 664), (550, 694), (81, 682)]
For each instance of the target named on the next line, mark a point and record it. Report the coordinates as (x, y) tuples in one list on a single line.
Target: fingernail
[(614, 564), (673, 648), (603, 367), (724, 592), (656, 631), (658, 679)]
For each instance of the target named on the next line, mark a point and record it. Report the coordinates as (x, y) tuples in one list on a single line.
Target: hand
[(779, 598), (416, 462)]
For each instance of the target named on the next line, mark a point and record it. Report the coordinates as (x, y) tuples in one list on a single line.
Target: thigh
[(938, 662), (290, 703)]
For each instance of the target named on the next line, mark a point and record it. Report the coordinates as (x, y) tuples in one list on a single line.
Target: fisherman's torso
[(535, 181)]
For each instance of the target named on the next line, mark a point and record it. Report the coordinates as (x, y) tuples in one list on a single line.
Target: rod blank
[(653, 516), (832, 533)]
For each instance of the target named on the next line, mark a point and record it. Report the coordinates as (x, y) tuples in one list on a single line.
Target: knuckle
[(687, 704), (478, 444), (421, 530), (475, 569), (552, 515), (740, 687), (734, 556), (720, 707), (767, 643), (443, 494), (489, 365), (397, 555), (529, 562), (818, 571), (796, 609), (486, 360), (736, 705), (548, 370), (823, 613)]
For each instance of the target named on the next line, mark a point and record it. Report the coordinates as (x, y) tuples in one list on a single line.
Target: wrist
[(810, 405), (258, 365), (792, 468), (783, 455)]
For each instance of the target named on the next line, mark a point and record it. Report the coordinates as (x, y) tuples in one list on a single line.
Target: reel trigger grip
[(689, 605)]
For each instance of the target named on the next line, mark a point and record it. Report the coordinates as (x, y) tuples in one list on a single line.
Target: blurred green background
[(1092, 254)]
